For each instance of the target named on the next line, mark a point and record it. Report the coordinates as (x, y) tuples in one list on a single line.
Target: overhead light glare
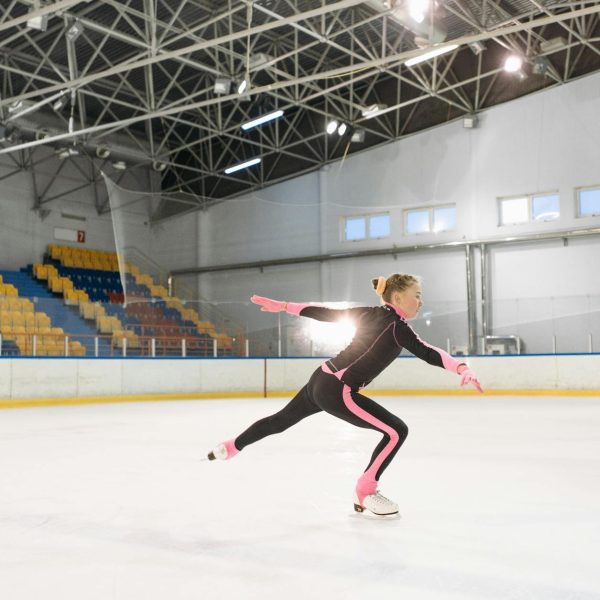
[(242, 87), (332, 126), (241, 166), (342, 129), (513, 64), (411, 62), (417, 9), (120, 165), (261, 120)]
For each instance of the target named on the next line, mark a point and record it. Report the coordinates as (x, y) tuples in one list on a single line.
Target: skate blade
[(366, 513)]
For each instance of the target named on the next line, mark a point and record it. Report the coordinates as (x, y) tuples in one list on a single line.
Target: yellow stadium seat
[(104, 325), (0, 279), (87, 310), (71, 298), (17, 319), (29, 318), (8, 290), (14, 304), (39, 271), (82, 296), (42, 319)]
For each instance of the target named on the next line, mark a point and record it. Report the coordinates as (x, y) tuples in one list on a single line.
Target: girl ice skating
[(381, 334)]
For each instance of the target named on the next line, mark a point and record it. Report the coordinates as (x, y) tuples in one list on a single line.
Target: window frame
[(529, 198), (430, 213), (578, 202), (366, 217)]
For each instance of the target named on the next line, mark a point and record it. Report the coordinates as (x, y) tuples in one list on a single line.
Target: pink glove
[(467, 376), (268, 305)]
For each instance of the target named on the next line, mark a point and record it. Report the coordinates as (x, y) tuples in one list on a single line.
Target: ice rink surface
[(499, 496)]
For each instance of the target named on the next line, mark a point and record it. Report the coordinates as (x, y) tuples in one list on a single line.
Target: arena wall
[(58, 381)]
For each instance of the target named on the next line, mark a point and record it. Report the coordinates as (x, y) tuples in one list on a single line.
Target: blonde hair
[(396, 282)]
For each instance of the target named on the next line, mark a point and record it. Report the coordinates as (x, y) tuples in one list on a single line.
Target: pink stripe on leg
[(367, 483)]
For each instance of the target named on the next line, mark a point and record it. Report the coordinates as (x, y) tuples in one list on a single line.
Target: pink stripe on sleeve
[(450, 364)]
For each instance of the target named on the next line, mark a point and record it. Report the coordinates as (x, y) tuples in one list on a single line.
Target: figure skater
[(381, 333)]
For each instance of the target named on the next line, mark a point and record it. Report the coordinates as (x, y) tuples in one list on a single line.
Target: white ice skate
[(377, 504), (223, 451), (218, 453)]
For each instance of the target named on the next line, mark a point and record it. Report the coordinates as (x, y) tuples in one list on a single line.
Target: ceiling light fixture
[(261, 120), (40, 23), (102, 152), (411, 62), (222, 86), (242, 86), (63, 153), (358, 136), (342, 129), (368, 112), (74, 31), (332, 126), (513, 64), (244, 165), (477, 47)]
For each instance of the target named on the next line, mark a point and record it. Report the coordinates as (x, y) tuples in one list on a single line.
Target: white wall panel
[(41, 378), (99, 377), (5, 377)]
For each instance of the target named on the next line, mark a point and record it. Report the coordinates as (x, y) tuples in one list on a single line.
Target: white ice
[(499, 496)]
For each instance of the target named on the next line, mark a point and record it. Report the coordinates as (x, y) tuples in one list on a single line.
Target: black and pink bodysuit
[(381, 334)]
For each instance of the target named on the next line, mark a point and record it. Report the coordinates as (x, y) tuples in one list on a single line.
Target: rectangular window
[(367, 227), (514, 211), (444, 218), (434, 219), (588, 202), (545, 207), (355, 229), (379, 226), (533, 207)]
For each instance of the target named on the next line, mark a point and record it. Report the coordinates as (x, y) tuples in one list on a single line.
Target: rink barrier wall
[(64, 381)]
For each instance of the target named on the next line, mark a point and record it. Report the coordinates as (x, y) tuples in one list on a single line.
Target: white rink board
[(62, 378)]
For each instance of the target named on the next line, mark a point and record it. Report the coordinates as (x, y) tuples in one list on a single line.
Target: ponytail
[(397, 282)]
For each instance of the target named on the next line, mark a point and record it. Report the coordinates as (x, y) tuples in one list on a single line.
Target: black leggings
[(324, 392)]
